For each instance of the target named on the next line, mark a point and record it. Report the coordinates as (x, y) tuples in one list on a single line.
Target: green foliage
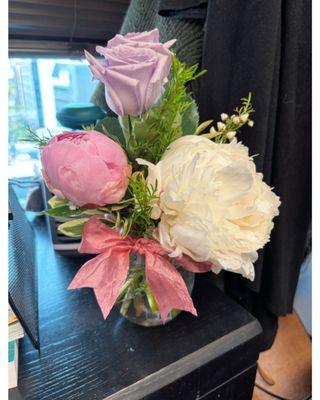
[(63, 208), (168, 115), (33, 137), (133, 214), (111, 127), (190, 119), (133, 288), (73, 228), (63, 212), (89, 127), (143, 196), (247, 107), (55, 201), (134, 285), (203, 126)]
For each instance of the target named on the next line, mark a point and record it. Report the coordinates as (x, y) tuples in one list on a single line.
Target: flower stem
[(151, 300), (130, 126)]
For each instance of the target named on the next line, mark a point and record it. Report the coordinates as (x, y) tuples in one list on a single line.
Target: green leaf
[(142, 129), (142, 126), (73, 228), (127, 226), (190, 119), (203, 126), (89, 127), (91, 211), (57, 202), (63, 212), (118, 207), (110, 126)]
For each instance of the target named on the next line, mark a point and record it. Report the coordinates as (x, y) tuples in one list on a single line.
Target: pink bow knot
[(107, 272)]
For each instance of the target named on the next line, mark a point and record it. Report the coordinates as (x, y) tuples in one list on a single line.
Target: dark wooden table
[(85, 357)]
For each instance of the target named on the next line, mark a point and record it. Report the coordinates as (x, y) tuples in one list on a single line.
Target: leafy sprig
[(247, 107), (33, 137), (144, 196), (167, 118), (88, 127), (227, 129), (133, 215)]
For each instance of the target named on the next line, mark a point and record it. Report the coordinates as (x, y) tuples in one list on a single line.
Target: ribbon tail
[(193, 266), (105, 273), (167, 286)]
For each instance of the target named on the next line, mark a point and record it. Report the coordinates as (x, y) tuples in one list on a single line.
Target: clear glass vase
[(136, 302)]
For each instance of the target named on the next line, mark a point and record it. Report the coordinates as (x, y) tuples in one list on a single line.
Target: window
[(38, 89)]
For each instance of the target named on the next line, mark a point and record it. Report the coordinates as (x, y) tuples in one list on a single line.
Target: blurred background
[(46, 68)]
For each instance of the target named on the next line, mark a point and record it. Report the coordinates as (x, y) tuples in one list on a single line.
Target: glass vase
[(136, 302)]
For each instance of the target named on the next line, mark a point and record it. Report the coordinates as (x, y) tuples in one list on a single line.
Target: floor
[(285, 369)]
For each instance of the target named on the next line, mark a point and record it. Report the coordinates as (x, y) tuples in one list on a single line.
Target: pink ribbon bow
[(107, 272)]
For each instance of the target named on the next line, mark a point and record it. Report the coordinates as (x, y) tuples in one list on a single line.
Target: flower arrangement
[(155, 195)]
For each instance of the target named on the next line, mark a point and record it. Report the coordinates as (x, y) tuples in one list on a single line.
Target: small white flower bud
[(234, 140), (221, 126), (213, 132), (236, 120), (231, 135), (250, 123), (224, 116), (244, 117), (72, 206)]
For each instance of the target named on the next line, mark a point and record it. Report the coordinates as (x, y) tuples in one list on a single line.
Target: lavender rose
[(134, 71)]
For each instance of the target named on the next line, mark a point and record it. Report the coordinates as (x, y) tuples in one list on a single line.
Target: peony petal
[(214, 206), (235, 175), (87, 169), (190, 265), (81, 186)]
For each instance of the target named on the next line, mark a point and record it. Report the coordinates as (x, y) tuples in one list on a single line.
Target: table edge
[(187, 364)]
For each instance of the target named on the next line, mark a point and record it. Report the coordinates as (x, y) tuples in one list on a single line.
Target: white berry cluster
[(227, 129)]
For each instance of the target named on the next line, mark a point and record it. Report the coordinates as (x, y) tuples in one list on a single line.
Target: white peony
[(213, 205)]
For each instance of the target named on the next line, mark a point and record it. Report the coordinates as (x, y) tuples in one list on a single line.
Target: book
[(15, 330), (13, 362)]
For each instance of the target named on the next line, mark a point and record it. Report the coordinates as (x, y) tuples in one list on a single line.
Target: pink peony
[(134, 71), (87, 168)]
